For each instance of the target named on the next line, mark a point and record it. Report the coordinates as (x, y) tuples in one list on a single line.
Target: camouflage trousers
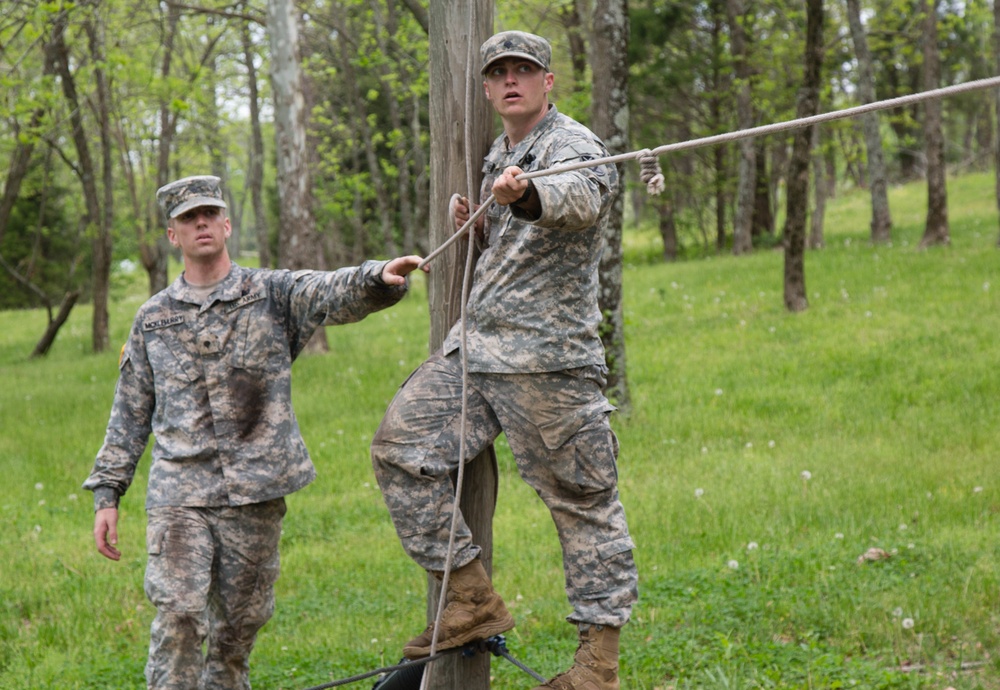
[(558, 430), (211, 575)]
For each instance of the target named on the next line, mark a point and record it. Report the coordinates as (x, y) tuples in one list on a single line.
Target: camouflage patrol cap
[(183, 195), (516, 44)]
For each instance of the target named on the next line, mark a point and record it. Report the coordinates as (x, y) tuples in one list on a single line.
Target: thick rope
[(644, 155)]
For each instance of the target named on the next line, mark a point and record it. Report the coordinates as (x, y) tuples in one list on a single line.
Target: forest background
[(103, 101)]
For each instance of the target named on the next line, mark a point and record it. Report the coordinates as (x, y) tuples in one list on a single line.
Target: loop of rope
[(763, 130), (650, 172)]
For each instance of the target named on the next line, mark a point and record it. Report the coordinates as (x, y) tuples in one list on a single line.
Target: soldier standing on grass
[(536, 372), (207, 371)]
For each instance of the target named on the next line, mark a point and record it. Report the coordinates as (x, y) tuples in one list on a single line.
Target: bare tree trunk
[(763, 218), (572, 20), (798, 168), (746, 185), (609, 64), (881, 227), (255, 179), (996, 59), (820, 188), (102, 245), (154, 248), (86, 171), (298, 245), (936, 231), (459, 141), (386, 37)]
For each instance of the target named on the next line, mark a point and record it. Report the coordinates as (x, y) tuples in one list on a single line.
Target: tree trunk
[(255, 178), (154, 248), (820, 188), (798, 167), (86, 171), (881, 227), (936, 231), (747, 169), (996, 97), (459, 141), (763, 219), (298, 245), (102, 245), (609, 64)]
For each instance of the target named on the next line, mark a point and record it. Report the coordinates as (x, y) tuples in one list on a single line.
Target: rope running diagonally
[(646, 154)]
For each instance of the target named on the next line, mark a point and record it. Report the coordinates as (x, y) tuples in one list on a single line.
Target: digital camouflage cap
[(183, 195), (516, 44)]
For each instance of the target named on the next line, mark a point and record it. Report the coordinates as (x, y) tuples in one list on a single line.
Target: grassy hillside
[(766, 452)]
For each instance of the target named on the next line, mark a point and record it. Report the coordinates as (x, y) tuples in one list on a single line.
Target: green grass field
[(765, 453)]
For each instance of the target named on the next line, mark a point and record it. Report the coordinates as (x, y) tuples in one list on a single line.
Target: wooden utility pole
[(460, 138)]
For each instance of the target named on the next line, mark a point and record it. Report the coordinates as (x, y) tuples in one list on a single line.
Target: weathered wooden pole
[(457, 138)]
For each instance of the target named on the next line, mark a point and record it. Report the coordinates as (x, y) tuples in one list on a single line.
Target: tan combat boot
[(474, 611), (595, 666)]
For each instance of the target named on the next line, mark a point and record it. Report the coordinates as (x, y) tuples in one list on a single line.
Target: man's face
[(518, 88), (200, 232)]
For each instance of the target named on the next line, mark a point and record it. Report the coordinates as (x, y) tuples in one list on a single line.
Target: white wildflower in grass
[(838, 535), (698, 493), (749, 445), (41, 502), (897, 612), (902, 528), (374, 640), (752, 546), (704, 449), (986, 286), (908, 624), (806, 475), (38, 528), (770, 444), (72, 497), (977, 490), (733, 565), (718, 391), (39, 486)]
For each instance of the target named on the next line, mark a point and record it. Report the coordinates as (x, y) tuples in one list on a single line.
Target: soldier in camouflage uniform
[(536, 372), (207, 371)]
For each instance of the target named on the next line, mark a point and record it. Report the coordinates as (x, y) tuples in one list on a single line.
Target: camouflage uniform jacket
[(533, 305), (212, 383)]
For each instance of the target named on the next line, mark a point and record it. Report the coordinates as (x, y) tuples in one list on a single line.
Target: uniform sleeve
[(330, 298), (128, 427)]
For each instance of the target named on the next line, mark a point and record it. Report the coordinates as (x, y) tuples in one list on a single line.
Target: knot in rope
[(650, 172)]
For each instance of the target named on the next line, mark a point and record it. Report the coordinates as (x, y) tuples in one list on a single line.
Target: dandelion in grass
[(977, 490), (39, 486), (699, 494), (733, 565), (838, 535), (752, 546), (805, 476), (908, 624), (718, 391), (897, 612), (770, 444)]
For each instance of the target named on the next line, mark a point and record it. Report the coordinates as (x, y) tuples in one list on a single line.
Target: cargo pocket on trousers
[(612, 572), (586, 462)]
